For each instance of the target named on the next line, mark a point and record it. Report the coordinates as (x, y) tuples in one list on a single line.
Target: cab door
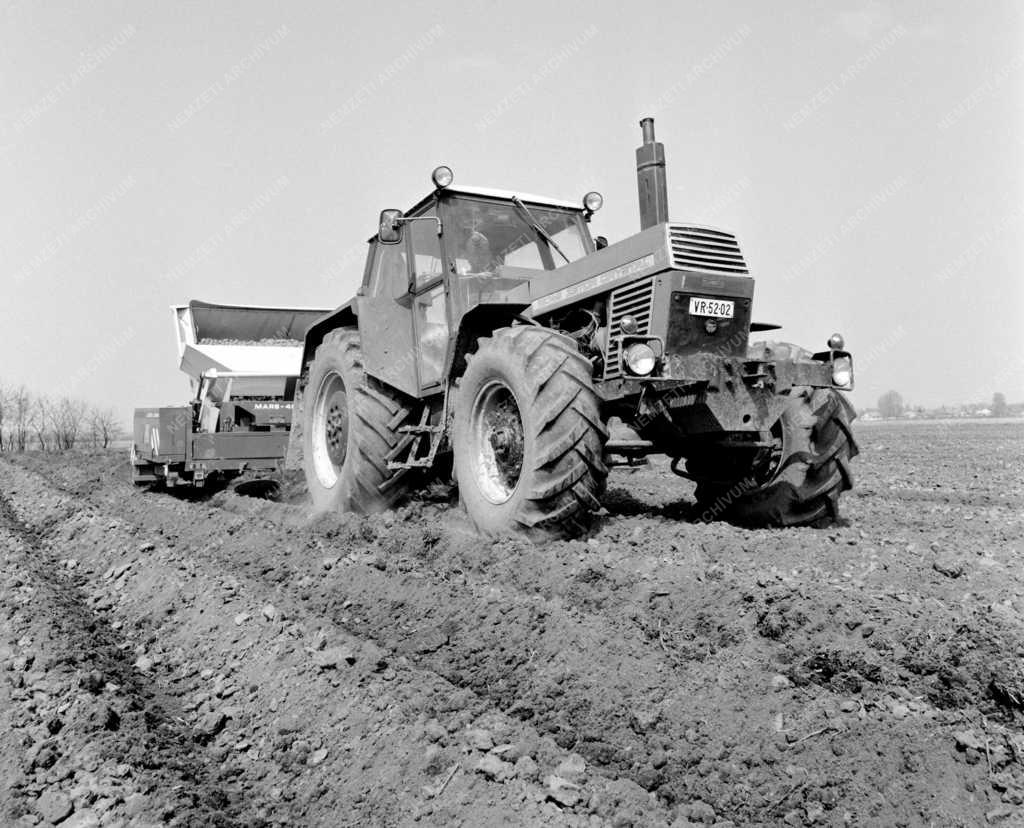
[(403, 315), (429, 304), (385, 321)]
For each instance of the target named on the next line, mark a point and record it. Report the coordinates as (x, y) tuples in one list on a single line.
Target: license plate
[(711, 307)]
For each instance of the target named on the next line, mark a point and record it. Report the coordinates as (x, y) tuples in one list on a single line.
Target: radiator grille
[(636, 300), (703, 249)]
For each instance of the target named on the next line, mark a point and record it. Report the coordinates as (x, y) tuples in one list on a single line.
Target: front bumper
[(705, 392)]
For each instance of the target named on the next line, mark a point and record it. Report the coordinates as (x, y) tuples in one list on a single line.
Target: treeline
[(891, 405), (36, 421)]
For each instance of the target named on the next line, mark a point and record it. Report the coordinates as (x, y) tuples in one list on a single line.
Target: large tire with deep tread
[(543, 380), (366, 416), (810, 473)]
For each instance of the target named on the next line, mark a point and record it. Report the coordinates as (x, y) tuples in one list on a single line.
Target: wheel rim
[(771, 461), (498, 443), (330, 429)]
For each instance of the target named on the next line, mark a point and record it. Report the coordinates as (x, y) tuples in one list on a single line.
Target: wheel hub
[(330, 429), (503, 440), (336, 429), (499, 443)]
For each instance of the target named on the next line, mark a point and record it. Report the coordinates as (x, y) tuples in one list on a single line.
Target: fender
[(342, 317), (479, 321)]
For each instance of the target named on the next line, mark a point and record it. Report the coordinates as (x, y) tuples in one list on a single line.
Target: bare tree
[(104, 425), (56, 425), (20, 405), (68, 416), (41, 416)]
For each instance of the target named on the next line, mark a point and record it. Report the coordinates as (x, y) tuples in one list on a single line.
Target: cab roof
[(493, 192), (505, 195), (508, 195)]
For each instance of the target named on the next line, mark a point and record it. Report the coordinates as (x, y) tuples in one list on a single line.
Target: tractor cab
[(478, 229), (446, 256)]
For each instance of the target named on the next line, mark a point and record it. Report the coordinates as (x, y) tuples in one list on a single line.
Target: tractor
[(494, 341)]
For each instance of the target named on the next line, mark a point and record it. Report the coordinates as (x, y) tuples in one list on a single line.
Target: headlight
[(842, 372), (593, 201), (640, 359), (629, 324)]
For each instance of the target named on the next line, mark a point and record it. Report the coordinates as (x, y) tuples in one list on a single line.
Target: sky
[(867, 155)]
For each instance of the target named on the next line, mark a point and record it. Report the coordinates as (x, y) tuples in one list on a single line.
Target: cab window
[(390, 271), (481, 235), (426, 250), (565, 230)]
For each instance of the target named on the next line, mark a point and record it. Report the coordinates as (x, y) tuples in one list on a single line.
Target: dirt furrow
[(625, 656), (399, 724), (600, 684), (97, 735), (868, 673)]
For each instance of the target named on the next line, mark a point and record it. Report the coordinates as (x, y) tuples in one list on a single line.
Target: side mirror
[(390, 230)]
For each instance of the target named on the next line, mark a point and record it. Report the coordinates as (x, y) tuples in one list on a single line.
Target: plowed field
[(239, 662)]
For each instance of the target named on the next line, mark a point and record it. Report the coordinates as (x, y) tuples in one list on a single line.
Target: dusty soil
[(231, 661)]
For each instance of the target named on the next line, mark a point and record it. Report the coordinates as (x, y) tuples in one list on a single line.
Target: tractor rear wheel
[(528, 438), (349, 431), (799, 481)]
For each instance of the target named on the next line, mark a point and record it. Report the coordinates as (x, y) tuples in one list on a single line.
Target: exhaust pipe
[(651, 183)]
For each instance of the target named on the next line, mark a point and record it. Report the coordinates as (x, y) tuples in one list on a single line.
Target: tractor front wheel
[(350, 431), (528, 438), (796, 483)]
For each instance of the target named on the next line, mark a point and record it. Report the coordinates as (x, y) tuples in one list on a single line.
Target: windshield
[(481, 235)]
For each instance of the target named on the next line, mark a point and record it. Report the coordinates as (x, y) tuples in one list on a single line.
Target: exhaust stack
[(652, 185)]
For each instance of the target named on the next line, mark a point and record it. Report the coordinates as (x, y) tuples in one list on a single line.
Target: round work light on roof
[(442, 177), (593, 201)]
